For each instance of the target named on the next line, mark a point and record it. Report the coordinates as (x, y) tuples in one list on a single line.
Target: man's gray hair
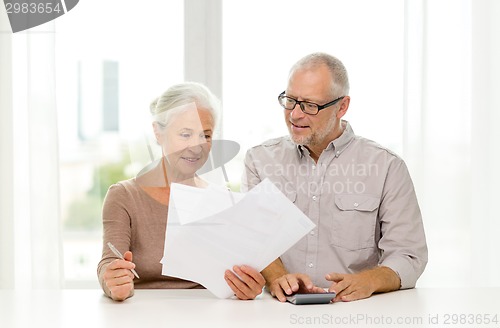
[(340, 83)]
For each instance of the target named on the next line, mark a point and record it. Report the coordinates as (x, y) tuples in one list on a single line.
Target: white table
[(421, 307)]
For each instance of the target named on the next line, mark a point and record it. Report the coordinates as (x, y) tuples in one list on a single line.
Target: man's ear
[(344, 105)]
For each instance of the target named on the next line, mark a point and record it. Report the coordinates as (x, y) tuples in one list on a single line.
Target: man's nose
[(297, 112)]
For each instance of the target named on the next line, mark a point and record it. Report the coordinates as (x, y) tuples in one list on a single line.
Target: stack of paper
[(211, 230)]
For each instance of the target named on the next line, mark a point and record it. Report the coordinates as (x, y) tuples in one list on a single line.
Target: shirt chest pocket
[(354, 221)]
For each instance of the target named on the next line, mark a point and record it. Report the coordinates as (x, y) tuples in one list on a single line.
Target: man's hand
[(280, 283), (351, 287), (289, 284), (249, 284)]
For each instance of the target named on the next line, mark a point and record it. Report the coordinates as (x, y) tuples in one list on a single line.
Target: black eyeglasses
[(306, 106)]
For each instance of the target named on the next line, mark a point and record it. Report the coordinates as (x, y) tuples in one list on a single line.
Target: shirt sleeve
[(402, 243)]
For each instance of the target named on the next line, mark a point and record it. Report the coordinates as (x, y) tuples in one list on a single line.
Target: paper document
[(211, 230)]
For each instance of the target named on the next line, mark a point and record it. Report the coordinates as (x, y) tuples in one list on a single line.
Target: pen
[(117, 253)]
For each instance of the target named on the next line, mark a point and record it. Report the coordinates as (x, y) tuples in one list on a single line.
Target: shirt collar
[(338, 145)]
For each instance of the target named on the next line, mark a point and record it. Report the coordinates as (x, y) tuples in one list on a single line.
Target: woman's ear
[(157, 129)]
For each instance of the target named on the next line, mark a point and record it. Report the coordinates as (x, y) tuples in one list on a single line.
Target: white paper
[(211, 230)]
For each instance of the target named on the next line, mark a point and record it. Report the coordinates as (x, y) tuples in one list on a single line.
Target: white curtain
[(485, 142), (6, 163), (30, 253), (451, 139)]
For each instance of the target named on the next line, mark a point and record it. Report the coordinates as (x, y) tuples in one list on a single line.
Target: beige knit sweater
[(133, 220)]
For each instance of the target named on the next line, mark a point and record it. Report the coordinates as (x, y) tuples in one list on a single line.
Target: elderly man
[(369, 236)]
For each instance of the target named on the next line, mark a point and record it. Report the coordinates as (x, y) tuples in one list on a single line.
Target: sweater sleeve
[(116, 222)]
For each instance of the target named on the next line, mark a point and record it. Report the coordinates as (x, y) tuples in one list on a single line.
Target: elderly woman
[(135, 211)]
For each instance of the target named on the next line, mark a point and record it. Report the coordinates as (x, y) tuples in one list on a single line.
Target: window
[(112, 61), (263, 39)]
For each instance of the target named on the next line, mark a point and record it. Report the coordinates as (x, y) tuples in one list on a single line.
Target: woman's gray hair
[(340, 82), (174, 99)]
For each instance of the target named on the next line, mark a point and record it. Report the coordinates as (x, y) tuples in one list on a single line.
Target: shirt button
[(314, 167), (355, 204), (314, 197), (312, 233), (311, 265), (338, 152)]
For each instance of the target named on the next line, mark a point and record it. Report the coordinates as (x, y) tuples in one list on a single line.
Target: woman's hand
[(118, 278), (248, 285)]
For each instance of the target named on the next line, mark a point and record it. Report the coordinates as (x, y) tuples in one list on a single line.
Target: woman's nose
[(196, 147)]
